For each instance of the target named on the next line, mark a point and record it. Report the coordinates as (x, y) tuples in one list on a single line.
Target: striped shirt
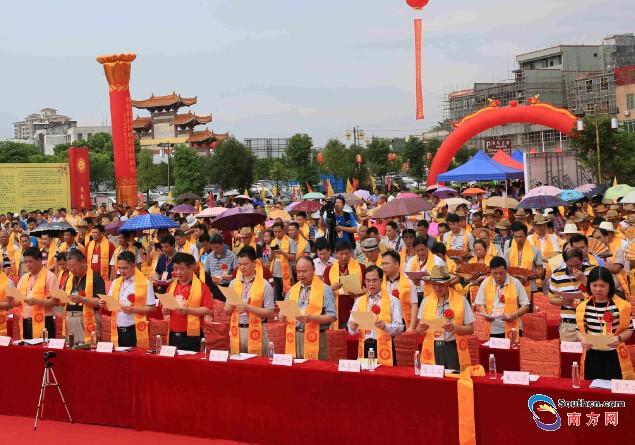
[(268, 297), (214, 265), (594, 316), (328, 307), (562, 281)]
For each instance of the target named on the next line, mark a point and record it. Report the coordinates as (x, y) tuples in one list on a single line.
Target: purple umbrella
[(113, 227), (541, 202), (444, 192), (184, 209), (234, 219)]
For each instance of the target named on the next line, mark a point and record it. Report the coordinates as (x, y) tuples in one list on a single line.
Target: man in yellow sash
[(306, 337), (502, 300), (69, 243), (99, 251), (521, 253), (246, 333), (36, 285), (457, 238), (370, 247), (125, 245), (324, 258), (129, 326), (49, 250), (6, 302), (84, 287), (17, 262), (304, 227), (283, 251), (343, 265), (424, 261), (302, 244), (446, 347), (83, 233), (389, 319), (547, 244), (5, 252), (246, 235), (183, 245), (401, 287), (616, 263), (392, 240), (195, 298)]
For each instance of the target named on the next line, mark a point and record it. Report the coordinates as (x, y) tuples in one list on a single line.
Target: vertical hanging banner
[(419, 90), (117, 68), (80, 177)]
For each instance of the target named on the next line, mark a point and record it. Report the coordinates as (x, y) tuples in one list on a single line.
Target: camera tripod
[(48, 379)]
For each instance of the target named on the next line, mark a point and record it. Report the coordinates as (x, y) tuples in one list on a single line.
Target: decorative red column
[(117, 68), (79, 164)]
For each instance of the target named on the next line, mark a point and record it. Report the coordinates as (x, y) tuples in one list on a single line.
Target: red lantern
[(392, 157), (358, 159), (320, 158), (417, 4)]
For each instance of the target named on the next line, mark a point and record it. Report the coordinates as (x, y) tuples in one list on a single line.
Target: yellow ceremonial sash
[(11, 245), (526, 260), (430, 313), (311, 328), (301, 246), (414, 266), (284, 263), (334, 277), (187, 247), (403, 254), (193, 301), (623, 354), (88, 313), (546, 250), (104, 257), (384, 341), (622, 277), (474, 288), (50, 259), (256, 299), (404, 296), (15, 264), (448, 243), (511, 303), (141, 322), (4, 281), (38, 291), (305, 231)]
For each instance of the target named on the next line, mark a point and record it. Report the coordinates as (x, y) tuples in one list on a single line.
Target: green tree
[(261, 168), (17, 152), (102, 170), (617, 150), (188, 174), (414, 151), (339, 161), (298, 159), (377, 157), (462, 156), (148, 173), (278, 171), (232, 165)]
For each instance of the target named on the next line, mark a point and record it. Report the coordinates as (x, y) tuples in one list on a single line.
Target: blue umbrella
[(571, 195), (147, 222), (541, 202)]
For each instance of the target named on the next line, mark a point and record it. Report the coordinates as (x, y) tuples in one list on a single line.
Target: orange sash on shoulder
[(4, 281), (38, 291), (311, 329), (193, 301), (384, 341), (104, 256), (141, 322), (511, 303), (334, 277), (256, 299), (284, 263), (88, 313)]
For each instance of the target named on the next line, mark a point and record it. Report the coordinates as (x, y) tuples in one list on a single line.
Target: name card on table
[(5, 341), (623, 386), (571, 346), (436, 371), (104, 346), (516, 378), (282, 359), (218, 356), (167, 351), (349, 366), (56, 343), (499, 343)]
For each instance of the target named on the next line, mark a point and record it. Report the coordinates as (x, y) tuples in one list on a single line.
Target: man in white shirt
[(324, 257)]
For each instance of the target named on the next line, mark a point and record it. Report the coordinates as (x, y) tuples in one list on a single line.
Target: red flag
[(80, 177), (355, 183), (419, 90), (388, 183), (309, 189)]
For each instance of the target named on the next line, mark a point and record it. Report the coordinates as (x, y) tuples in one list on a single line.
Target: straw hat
[(439, 274), (570, 229), (521, 212), (246, 231), (612, 214), (605, 225), (83, 223), (539, 220), (504, 224), (600, 208), (369, 244)]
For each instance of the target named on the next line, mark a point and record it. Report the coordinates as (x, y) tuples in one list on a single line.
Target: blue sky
[(274, 68)]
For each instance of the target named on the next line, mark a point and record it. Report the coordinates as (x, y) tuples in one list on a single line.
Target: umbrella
[(350, 199), (314, 195), (402, 207), (304, 206), (211, 212), (473, 191), (454, 202), (186, 196), (541, 202), (444, 192), (236, 218), (54, 229), (547, 190), (242, 197), (231, 193), (274, 214), (585, 188), (629, 199), (362, 194), (433, 187), (595, 191), (401, 195), (501, 202), (149, 221), (617, 191), (184, 209), (571, 195), (113, 227)]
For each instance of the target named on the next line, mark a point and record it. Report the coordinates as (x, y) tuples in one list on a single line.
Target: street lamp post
[(166, 148), (580, 127)]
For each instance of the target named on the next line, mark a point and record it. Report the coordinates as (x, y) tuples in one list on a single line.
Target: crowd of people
[(433, 273)]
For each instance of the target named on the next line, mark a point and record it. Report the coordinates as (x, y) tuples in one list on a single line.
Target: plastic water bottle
[(492, 367), (536, 309), (514, 339), (575, 375), (371, 360), (417, 363), (45, 336), (270, 351), (203, 349), (71, 340), (158, 342), (93, 341)]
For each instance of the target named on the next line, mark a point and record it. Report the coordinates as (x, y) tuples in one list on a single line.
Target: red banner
[(117, 68), (419, 90), (80, 177)]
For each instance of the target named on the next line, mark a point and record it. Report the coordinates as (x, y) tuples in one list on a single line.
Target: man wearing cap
[(584, 224), (503, 234), (83, 235), (616, 263), (457, 238), (246, 236), (547, 244), (525, 218), (371, 252), (440, 346), (490, 219), (614, 218), (502, 300), (462, 214)]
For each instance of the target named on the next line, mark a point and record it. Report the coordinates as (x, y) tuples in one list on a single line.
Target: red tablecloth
[(509, 360)]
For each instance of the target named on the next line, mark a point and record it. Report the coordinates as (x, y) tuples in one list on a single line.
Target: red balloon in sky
[(417, 4)]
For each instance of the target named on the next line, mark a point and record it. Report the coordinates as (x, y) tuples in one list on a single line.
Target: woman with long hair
[(605, 314)]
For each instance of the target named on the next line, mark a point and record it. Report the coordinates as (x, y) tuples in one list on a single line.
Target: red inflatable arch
[(493, 116)]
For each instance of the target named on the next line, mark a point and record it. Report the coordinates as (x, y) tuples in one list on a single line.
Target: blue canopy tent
[(517, 155), (481, 168)]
